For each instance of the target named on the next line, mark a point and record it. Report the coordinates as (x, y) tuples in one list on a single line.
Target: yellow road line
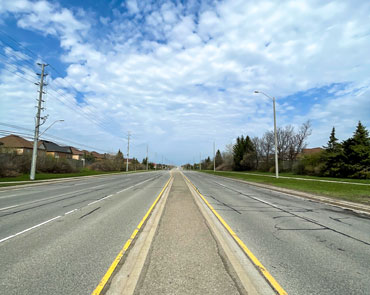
[(113, 266), (270, 279)]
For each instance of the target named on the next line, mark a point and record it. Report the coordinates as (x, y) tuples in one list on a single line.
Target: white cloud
[(177, 75)]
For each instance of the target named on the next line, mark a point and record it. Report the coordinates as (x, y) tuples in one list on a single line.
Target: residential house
[(77, 154), (312, 151), (56, 150), (14, 143)]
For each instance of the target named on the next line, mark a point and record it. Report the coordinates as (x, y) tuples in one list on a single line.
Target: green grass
[(348, 192), (44, 176), (290, 174)]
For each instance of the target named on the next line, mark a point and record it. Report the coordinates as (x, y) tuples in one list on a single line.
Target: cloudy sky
[(181, 74)]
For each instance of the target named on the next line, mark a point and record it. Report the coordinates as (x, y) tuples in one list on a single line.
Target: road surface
[(61, 238), (309, 247)]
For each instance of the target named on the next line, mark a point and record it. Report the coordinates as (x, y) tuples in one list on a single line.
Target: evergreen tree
[(357, 153), (219, 160), (333, 158), (248, 161), (238, 153), (243, 151), (333, 144)]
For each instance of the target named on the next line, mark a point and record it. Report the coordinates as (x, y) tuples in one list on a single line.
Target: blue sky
[(181, 74)]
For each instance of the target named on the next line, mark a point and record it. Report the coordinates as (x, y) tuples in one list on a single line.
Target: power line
[(17, 50), (76, 108), (18, 75), (19, 44), (24, 68), (48, 137), (85, 113), (60, 141)]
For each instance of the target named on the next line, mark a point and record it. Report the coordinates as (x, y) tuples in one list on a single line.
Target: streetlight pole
[(275, 133)]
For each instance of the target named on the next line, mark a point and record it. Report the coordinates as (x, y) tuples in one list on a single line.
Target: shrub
[(103, 165), (225, 167), (310, 165), (48, 164)]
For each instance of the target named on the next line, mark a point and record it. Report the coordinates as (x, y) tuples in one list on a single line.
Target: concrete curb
[(358, 208)]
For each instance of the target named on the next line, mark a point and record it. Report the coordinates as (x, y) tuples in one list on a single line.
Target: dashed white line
[(53, 197), (30, 228), (5, 208), (94, 202), (69, 212)]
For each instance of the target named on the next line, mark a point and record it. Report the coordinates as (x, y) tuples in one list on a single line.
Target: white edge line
[(30, 228)]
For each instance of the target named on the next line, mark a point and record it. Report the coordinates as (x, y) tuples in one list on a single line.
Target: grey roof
[(53, 147)]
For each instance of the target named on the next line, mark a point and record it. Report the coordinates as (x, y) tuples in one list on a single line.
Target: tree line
[(349, 158)]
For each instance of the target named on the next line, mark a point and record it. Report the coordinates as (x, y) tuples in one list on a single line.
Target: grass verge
[(45, 176), (343, 191), (290, 174)]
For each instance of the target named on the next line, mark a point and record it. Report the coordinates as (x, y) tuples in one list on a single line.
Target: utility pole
[(162, 163), (147, 159), (37, 124), (214, 156), (200, 161), (128, 149)]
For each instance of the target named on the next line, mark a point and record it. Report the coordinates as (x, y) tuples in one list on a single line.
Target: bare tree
[(284, 136), (227, 157), (267, 147), (258, 152), (297, 142)]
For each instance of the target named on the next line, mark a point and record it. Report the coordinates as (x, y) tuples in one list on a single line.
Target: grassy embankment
[(343, 191), (45, 176)]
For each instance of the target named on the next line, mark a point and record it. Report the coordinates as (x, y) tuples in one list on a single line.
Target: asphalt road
[(309, 247), (61, 238)]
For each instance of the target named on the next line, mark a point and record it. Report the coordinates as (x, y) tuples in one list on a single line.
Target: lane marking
[(28, 229), (127, 188), (5, 208), (53, 197), (94, 202), (69, 212), (270, 279), (113, 266), (85, 189)]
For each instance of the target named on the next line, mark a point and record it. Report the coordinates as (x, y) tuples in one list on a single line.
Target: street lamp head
[(256, 91)]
